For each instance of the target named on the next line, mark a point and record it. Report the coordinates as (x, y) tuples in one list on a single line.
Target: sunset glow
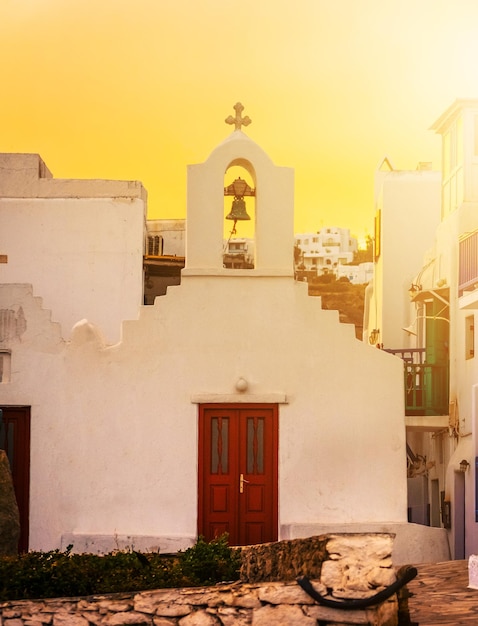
[(139, 90)]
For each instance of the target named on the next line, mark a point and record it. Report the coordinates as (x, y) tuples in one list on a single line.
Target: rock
[(173, 610), (381, 577), (199, 618), (234, 617), (332, 575), (282, 616), (284, 594), (163, 621), (130, 617), (283, 560), (361, 546), (67, 619), (9, 515)]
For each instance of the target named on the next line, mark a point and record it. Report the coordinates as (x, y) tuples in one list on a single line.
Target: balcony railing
[(426, 384), (426, 389), (409, 355), (468, 265)]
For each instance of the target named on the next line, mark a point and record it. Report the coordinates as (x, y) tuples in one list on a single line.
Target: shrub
[(211, 562), (36, 575)]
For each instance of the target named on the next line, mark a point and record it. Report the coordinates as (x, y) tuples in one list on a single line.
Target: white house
[(164, 259), (238, 252), (435, 305), (322, 252), (166, 237), (360, 274), (407, 212), (444, 302), (80, 243), (220, 409)]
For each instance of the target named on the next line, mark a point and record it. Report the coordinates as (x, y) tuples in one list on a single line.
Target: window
[(237, 246), (469, 337), (155, 245)]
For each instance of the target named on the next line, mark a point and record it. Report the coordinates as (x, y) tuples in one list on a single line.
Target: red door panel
[(219, 460), (238, 472), (15, 440)]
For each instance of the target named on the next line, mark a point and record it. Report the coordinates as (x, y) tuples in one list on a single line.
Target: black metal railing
[(426, 384)]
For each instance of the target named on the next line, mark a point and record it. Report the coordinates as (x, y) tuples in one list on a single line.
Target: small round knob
[(242, 384)]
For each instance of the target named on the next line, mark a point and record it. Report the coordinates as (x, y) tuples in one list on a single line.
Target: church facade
[(221, 408)]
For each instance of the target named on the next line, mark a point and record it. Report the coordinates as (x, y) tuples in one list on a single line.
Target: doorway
[(15, 440), (238, 474)]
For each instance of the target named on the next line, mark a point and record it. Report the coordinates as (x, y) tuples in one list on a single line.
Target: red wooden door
[(238, 472), (15, 440)]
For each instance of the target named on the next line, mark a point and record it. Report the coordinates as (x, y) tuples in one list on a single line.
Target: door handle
[(242, 480)]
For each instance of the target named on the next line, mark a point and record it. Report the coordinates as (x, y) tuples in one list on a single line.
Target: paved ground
[(439, 596)]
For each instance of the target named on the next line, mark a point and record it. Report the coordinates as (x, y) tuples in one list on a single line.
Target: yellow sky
[(139, 89)]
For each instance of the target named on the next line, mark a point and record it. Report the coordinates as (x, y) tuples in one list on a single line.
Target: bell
[(238, 211)]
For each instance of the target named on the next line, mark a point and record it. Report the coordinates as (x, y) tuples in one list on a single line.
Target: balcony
[(426, 389), (468, 272)]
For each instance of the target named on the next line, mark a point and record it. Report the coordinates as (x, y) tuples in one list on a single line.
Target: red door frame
[(16, 443), (250, 515)]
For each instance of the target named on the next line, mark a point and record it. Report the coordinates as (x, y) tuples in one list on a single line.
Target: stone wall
[(238, 604), (353, 565), (343, 566)]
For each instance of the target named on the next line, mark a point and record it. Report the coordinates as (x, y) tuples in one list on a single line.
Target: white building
[(360, 274), (239, 253), (166, 237), (446, 301), (164, 259), (436, 308), (79, 243), (407, 212), (221, 408), (324, 251)]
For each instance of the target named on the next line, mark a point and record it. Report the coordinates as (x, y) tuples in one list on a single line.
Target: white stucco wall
[(463, 371), (274, 212), (114, 429), (173, 233), (79, 243), (410, 212), (114, 448)]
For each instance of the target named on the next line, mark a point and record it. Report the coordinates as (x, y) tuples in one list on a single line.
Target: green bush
[(211, 562), (56, 574)]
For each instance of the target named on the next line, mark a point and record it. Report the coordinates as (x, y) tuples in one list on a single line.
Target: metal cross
[(238, 121)]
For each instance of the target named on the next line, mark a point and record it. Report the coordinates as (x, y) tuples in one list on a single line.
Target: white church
[(220, 408)]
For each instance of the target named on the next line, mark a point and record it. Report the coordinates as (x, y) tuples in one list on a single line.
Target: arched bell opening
[(239, 216)]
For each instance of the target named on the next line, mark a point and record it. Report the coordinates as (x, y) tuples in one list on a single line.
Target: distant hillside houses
[(329, 251), (360, 274)]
